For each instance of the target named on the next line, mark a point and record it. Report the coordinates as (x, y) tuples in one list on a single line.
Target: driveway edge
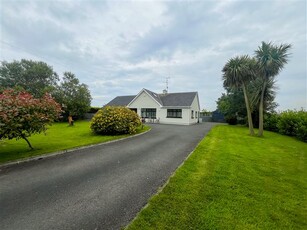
[(52, 154), (160, 189)]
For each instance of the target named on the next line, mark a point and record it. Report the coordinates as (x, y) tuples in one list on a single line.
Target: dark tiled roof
[(155, 96), (178, 99), (121, 101), (169, 99)]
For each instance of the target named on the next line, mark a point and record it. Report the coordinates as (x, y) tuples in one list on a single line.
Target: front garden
[(234, 181), (59, 136)]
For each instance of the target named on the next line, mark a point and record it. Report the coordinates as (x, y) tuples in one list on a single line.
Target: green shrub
[(270, 122), (115, 120), (293, 123), (301, 132), (288, 122), (94, 109), (232, 120)]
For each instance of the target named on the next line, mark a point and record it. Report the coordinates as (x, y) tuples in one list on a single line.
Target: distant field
[(234, 181), (58, 137)]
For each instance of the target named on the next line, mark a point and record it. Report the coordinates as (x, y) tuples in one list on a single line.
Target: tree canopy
[(74, 96), (237, 73), (35, 77), (22, 115), (256, 77), (271, 60)]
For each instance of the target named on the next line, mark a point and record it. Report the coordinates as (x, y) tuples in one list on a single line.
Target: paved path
[(101, 187)]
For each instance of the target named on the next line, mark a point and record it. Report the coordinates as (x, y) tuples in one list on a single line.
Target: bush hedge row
[(115, 120), (290, 122)]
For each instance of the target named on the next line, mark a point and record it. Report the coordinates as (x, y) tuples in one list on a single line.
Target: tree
[(74, 97), (255, 89), (22, 115), (35, 77), (232, 105), (237, 73), (271, 60)]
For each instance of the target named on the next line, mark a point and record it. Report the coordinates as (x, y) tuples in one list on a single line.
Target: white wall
[(195, 108), (144, 101), (185, 120)]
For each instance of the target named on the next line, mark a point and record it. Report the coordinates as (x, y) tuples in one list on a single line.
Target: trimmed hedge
[(94, 109), (115, 120), (290, 122)]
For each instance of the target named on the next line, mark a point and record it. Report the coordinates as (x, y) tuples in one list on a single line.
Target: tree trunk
[(248, 110), (24, 137), (260, 131)]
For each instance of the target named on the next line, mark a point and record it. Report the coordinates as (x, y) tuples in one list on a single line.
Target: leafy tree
[(22, 115), (35, 77), (231, 104), (74, 97), (271, 60), (237, 73)]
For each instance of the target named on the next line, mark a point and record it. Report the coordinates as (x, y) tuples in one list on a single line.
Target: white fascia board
[(198, 100), (180, 107)]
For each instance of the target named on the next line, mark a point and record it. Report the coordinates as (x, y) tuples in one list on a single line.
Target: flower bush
[(22, 115), (115, 120)]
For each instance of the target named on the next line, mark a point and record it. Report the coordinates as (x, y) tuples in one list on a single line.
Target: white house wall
[(144, 101), (178, 121), (195, 108)]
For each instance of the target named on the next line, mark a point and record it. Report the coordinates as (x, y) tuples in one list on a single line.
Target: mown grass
[(234, 181), (58, 137)]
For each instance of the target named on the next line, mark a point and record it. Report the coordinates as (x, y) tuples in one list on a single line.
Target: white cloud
[(120, 47)]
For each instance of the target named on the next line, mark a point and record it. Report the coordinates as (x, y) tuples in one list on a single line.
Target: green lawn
[(58, 137), (234, 181)]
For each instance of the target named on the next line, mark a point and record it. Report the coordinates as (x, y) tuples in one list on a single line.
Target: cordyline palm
[(255, 89), (237, 73), (271, 60)]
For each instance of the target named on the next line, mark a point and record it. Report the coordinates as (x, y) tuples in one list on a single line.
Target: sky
[(120, 47)]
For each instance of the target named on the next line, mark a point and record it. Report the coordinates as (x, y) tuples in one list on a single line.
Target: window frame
[(150, 113), (177, 113)]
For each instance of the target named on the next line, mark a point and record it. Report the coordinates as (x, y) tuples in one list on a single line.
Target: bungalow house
[(166, 108)]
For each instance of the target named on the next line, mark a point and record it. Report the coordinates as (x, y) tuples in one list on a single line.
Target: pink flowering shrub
[(22, 115)]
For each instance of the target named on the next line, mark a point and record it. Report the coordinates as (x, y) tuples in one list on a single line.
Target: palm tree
[(255, 89), (271, 60), (237, 73)]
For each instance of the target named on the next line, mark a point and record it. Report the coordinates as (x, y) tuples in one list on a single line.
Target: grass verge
[(58, 137), (234, 181)]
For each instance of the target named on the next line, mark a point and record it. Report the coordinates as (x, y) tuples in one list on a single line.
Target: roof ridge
[(177, 93)]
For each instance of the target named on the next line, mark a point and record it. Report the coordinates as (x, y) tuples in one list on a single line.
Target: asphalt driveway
[(101, 187)]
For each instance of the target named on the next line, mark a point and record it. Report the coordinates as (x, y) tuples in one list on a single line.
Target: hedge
[(290, 122)]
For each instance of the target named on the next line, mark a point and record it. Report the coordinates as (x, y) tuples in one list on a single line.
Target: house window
[(174, 113), (148, 113), (192, 114), (195, 114)]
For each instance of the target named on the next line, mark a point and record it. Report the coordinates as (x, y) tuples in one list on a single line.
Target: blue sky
[(119, 47)]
